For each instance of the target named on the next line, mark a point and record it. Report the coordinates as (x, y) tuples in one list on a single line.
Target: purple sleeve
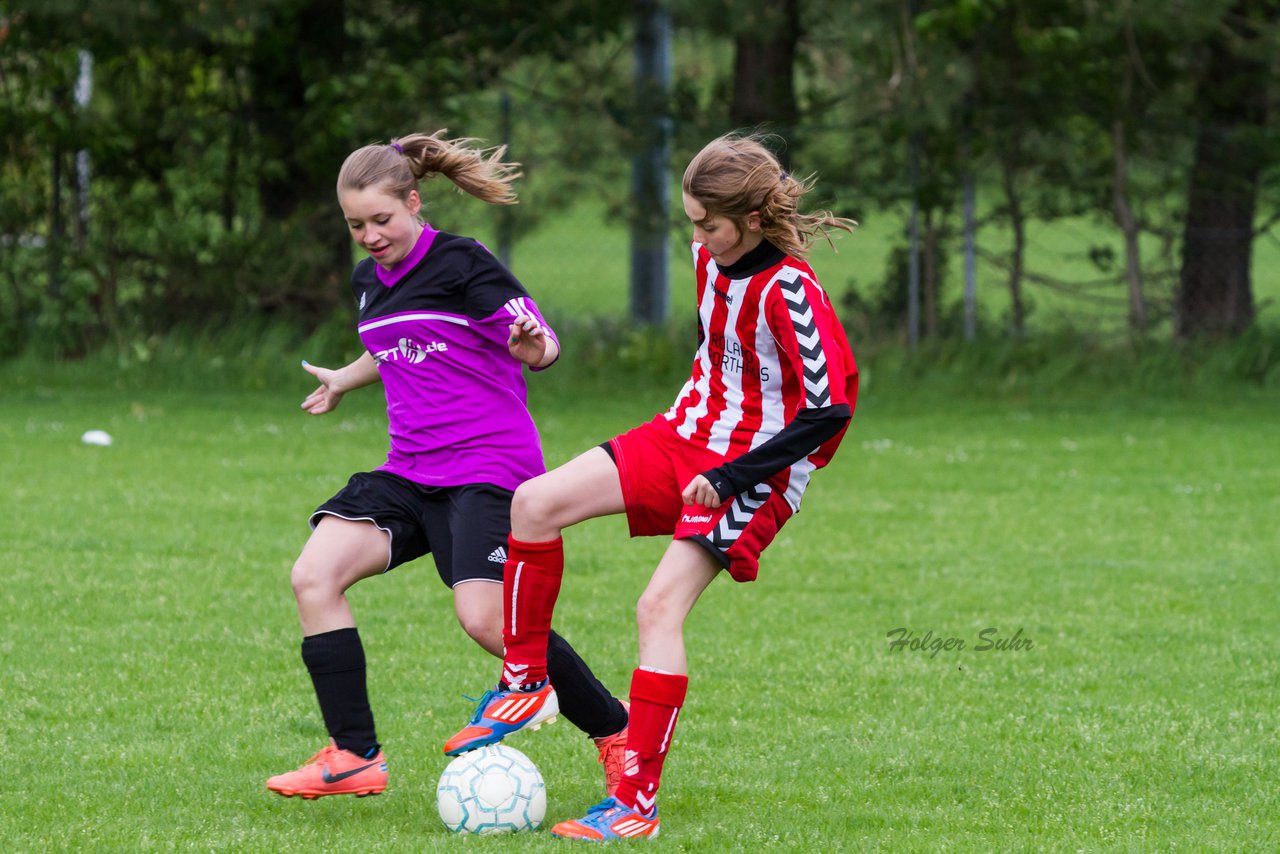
[(526, 305)]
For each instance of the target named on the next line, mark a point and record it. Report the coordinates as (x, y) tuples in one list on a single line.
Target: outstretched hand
[(325, 398)]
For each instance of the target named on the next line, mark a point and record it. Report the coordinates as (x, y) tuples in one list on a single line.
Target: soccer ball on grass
[(494, 789)]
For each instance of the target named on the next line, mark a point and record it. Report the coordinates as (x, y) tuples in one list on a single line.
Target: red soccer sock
[(530, 583), (656, 699)]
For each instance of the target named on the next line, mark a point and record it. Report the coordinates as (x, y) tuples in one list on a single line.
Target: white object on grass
[(495, 789), (96, 437)]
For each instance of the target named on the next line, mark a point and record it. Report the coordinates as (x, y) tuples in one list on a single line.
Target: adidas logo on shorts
[(498, 555)]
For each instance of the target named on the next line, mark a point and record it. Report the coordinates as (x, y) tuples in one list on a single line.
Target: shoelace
[(603, 807), (324, 751), (483, 703)]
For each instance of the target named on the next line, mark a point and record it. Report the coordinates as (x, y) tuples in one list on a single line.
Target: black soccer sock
[(583, 700), (335, 661)]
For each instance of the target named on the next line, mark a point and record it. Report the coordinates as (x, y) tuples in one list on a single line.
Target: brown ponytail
[(399, 166), (735, 175)]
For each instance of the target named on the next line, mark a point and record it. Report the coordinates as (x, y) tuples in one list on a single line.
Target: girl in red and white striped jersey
[(771, 392)]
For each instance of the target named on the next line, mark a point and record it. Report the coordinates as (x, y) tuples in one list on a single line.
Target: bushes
[(1075, 360), (606, 355)]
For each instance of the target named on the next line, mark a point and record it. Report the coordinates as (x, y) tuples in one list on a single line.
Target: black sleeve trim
[(804, 435)]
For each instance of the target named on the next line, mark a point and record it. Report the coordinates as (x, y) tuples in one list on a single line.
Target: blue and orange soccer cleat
[(608, 820), (500, 713), (334, 772)]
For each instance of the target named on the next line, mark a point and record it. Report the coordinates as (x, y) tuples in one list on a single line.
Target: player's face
[(722, 237), (384, 226)]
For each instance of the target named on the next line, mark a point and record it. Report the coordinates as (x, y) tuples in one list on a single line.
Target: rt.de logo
[(413, 352)]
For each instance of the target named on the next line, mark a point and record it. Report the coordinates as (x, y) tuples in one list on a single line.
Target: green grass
[(151, 677)]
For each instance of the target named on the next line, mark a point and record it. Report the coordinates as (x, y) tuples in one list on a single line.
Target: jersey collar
[(402, 267), (756, 261)]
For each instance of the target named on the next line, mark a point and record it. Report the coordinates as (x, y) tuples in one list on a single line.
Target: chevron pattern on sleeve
[(816, 387), (735, 521)]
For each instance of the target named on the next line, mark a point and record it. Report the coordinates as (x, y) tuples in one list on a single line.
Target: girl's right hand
[(325, 398)]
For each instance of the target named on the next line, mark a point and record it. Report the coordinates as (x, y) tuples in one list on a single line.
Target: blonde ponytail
[(399, 166), (475, 170)]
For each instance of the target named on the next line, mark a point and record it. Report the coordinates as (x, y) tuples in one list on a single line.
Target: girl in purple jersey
[(447, 331)]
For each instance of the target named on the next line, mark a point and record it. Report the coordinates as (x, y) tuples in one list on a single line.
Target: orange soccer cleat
[(334, 772), (612, 749), (501, 713), (608, 820)]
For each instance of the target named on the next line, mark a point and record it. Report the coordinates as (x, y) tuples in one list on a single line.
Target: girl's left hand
[(526, 340), (700, 491)]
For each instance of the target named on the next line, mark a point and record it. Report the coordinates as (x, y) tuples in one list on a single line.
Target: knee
[(654, 612), (484, 628), (309, 579), (533, 506)]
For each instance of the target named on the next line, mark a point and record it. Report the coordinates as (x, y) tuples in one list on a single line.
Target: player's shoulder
[(794, 287), (460, 245), (794, 274), (792, 266), (447, 241), (363, 276), (364, 270)]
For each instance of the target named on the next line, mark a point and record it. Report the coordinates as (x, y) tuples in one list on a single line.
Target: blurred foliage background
[(168, 167)]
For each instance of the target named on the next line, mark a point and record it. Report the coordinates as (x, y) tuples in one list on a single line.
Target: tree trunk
[(57, 227), (931, 230), (1017, 315), (1215, 294), (307, 35), (297, 149), (1128, 226), (764, 68)]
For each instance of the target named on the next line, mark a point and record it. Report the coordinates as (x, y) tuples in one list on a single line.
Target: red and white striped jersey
[(769, 346)]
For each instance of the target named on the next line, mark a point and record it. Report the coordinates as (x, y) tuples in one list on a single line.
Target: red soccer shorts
[(655, 464)]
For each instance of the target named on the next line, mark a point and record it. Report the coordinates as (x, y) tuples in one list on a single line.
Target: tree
[(1215, 294), (764, 59), (217, 130)]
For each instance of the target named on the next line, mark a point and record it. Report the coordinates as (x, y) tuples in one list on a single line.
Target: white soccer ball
[(494, 789), (96, 437)]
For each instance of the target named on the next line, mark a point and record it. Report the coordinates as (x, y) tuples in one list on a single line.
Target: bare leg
[(338, 554), (585, 487), (478, 605), (683, 573)]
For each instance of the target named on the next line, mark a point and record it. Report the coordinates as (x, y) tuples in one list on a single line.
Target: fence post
[(970, 249), (913, 250), (506, 214), (649, 194), (83, 92)]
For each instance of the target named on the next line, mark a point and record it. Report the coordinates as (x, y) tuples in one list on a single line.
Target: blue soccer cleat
[(606, 821), (501, 713)]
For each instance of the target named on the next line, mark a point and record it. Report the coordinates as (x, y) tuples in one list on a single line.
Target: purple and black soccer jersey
[(437, 323)]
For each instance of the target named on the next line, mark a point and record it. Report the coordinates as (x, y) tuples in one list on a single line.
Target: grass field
[(1127, 548)]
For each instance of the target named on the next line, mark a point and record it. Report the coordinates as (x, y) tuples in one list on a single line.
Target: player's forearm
[(360, 373), (550, 355), (809, 431)]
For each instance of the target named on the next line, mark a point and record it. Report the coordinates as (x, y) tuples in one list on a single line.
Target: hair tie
[(397, 147), (785, 175)]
